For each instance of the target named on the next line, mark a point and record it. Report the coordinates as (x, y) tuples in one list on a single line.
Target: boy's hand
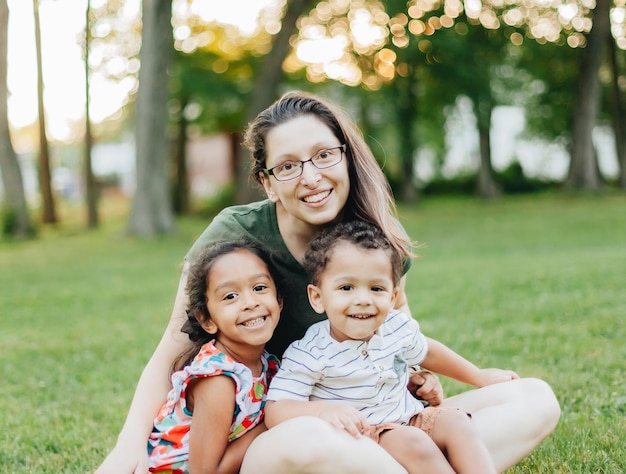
[(346, 418), (426, 386), (491, 376)]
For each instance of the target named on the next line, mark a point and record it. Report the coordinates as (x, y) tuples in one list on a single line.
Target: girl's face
[(356, 291), (242, 300), (318, 196)]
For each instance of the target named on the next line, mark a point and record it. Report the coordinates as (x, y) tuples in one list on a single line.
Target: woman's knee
[(293, 446), (312, 445), (542, 399)]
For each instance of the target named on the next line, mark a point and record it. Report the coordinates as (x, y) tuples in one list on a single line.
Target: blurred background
[(484, 98)]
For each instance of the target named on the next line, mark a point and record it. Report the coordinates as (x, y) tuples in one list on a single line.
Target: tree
[(618, 112), (465, 58), (151, 212), (583, 171), (266, 86), (15, 200), (88, 177), (45, 177)]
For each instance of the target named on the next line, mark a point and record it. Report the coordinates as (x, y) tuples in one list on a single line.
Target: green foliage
[(10, 226), (8, 221), (554, 71), (511, 180), (214, 101), (210, 206), (534, 283), (461, 184)]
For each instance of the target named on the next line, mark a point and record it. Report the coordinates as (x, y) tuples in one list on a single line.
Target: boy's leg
[(453, 433), (309, 444), (414, 449)]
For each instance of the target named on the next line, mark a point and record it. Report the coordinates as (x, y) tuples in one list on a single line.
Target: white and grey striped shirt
[(371, 376)]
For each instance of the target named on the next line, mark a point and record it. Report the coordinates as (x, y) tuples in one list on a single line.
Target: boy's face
[(356, 291)]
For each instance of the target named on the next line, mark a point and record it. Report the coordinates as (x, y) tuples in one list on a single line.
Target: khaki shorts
[(424, 420)]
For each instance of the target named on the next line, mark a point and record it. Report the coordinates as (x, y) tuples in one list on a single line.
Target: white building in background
[(209, 164), (115, 160), (538, 158)]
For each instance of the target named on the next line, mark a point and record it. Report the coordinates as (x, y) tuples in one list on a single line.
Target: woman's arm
[(130, 452)]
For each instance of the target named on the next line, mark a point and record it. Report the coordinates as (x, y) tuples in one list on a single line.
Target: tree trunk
[(486, 186), (91, 191), (180, 178), (619, 118), (45, 177), (152, 212), (266, 89), (583, 172), (406, 112), (15, 219)]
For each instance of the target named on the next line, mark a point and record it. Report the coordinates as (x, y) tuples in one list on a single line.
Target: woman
[(317, 170)]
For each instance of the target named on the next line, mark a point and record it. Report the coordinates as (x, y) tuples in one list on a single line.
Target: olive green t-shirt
[(257, 222)]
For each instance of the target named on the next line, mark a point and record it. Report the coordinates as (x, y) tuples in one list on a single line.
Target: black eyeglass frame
[(343, 147)]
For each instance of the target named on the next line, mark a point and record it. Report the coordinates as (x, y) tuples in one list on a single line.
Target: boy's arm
[(443, 360), (342, 417)]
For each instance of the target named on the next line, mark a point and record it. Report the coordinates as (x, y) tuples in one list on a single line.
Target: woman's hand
[(123, 459), (426, 385)]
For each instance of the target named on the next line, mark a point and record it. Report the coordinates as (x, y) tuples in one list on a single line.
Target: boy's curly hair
[(359, 233)]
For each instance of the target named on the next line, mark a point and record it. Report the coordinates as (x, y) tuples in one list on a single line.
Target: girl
[(221, 380), (296, 135)]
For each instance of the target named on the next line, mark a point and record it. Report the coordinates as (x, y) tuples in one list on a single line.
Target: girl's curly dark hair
[(197, 279)]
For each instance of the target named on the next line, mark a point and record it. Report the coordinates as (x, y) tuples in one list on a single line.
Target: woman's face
[(318, 196)]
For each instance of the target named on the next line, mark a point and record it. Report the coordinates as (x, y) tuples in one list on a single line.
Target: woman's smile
[(317, 197)]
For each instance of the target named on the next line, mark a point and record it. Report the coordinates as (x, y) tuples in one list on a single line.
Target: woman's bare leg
[(311, 445), (511, 418)]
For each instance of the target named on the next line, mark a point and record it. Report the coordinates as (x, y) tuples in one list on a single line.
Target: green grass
[(535, 284)]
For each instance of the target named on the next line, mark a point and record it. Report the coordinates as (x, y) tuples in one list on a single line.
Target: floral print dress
[(168, 444)]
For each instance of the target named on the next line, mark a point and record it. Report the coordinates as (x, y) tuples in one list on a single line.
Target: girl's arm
[(213, 408), (445, 361), (130, 453)]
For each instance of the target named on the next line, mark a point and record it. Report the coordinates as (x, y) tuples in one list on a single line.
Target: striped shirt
[(369, 375)]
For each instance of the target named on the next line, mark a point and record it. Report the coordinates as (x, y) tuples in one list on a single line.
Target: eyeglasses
[(321, 160)]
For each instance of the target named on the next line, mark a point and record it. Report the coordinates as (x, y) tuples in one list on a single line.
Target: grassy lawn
[(535, 284)]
